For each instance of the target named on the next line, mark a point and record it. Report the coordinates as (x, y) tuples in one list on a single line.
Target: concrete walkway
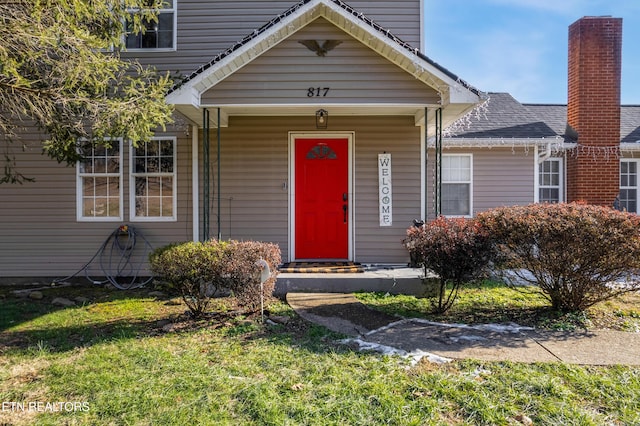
[(343, 313)]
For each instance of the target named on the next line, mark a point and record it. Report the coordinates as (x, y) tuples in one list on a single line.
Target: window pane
[(156, 35), (154, 179), (549, 181), (456, 168), (100, 181), (629, 200), (455, 199), (549, 195)]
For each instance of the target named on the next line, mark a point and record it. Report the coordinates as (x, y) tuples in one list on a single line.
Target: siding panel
[(254, 184), (40, 234), (206, 28), (352, 72), (501, 177)]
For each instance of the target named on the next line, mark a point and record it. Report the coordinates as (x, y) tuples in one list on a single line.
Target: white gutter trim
[(556, 143)]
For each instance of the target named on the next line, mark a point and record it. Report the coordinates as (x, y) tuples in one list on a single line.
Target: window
[(550, 181), (153, 180), (629, 185), (157, 35), (99, 183), (456, 185)]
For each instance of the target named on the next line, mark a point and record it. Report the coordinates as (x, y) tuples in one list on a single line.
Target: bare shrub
[(243, 275), (199, 270), (458, 250), (573, 253)]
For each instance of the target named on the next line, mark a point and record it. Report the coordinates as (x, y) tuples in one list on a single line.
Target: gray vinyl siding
[(206, 28), (254, 184), (40, 234), (501, 177), (352, 72), (399, 137)]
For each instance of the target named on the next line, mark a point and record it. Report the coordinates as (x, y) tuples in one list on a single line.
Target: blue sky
[(520, 46)]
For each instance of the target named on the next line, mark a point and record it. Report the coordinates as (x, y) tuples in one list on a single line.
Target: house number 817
[(317, 92)]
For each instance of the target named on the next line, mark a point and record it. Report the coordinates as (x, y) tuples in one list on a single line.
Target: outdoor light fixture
[(322, 119)]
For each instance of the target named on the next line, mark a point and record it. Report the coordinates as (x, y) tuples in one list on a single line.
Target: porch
[(394, 279)]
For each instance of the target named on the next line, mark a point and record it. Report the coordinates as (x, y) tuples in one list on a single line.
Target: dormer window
[(160, 34)]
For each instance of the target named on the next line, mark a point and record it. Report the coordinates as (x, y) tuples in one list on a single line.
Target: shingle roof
[(507, 118), (630, 124)]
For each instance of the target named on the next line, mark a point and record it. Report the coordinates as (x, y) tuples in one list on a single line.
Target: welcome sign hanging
[(384, 186)]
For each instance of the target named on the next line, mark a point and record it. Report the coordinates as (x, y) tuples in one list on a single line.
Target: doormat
[(321, 267)]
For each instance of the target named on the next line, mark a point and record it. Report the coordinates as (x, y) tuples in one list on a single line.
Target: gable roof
[(454, 92), (507, 121)]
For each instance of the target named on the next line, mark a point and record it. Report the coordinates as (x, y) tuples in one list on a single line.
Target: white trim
[(470, 182), (195, 183), (350, 136), (80, 195), (630, 146), (637, 186), (423, 41), (557, 143), (536, 177), (132, 191)]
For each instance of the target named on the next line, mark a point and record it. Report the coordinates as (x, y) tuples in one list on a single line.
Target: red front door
[(322, 198)]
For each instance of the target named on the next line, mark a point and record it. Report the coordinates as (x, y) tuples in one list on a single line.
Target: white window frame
[(635, 187), (468, 182), (81, 175), (559, 186), (174, 10), (133, 217)]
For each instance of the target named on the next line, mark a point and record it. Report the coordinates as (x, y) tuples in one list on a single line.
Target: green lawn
[(120, 362)]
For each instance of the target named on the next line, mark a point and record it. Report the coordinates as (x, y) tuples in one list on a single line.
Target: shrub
[(458, 250), (199, 270), (242, 274), (572, 252), (194, 269)]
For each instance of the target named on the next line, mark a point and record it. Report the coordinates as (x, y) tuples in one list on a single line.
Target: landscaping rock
[(169, 328), (36, 295), (61, 301), (279, 319), (81, 300), (162, 323), (158, 294)]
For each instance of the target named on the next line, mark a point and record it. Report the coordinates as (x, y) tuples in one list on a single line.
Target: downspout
[(218, 160), (205, 174), (547, 153), (195, 187), (425, 171), (438, 172)]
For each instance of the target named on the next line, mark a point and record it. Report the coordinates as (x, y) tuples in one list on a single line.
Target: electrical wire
[(120, 259)]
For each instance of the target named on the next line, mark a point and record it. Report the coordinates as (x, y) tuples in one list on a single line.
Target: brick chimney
[(593, 109)]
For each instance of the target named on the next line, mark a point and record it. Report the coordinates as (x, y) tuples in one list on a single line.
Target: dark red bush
[(458, 250), (573, 253)]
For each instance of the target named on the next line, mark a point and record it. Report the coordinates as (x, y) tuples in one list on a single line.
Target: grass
[(129, 359), (491, 302)]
